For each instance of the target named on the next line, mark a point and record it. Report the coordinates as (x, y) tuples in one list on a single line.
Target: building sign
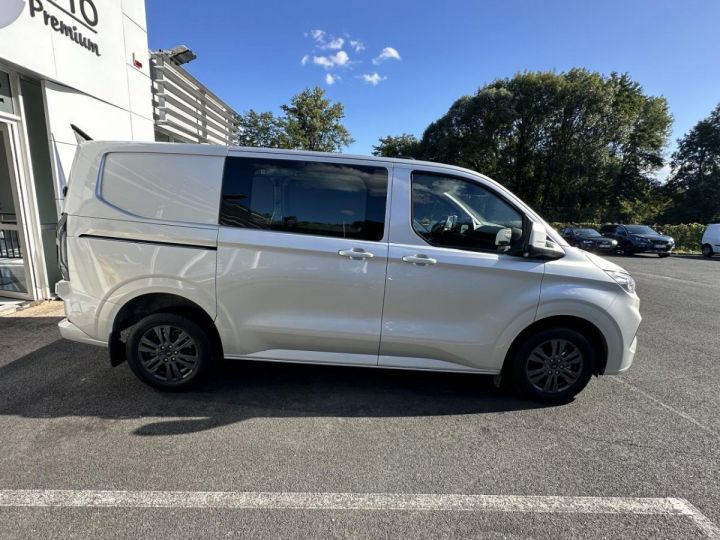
[(85, 45), (76, 20)]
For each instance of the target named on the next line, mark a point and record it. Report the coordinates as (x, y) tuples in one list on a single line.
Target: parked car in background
[(633, 239), (588, 239), (176, 255), (710, 242)]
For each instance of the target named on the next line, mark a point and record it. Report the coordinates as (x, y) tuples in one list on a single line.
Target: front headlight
[(623, 279)]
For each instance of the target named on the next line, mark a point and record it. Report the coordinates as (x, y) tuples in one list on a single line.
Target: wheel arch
[(143, 305), (593, 334)]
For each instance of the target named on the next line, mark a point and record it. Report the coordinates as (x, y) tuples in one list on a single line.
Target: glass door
[(14, 264)]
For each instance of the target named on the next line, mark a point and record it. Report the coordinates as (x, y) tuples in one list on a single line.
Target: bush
[(687, 235)]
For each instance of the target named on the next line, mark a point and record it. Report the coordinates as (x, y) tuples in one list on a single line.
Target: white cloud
[(318, 35), (663, 174), (325, 41), (373, 78), (334, 60), (335, 44), (386, 54), (305, 59), (331, 79), (357, 45)]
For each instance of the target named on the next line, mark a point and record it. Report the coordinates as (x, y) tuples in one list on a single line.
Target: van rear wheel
[(707, 250), (553, 365), (168, 351)]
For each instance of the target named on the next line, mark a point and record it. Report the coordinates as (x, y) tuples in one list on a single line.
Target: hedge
[(687, 235)]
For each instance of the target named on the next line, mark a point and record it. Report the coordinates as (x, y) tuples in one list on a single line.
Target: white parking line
[(681, 414), (359, 501)]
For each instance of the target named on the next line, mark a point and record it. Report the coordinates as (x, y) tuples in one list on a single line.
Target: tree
[(312, 122), (577, 145), (261, 130), (695, 182), (401, 145)]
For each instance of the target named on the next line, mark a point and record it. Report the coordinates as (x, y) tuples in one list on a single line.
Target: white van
[(174, 256), (710, 243)]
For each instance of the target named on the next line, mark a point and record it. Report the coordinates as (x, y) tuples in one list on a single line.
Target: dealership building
[(73, 67)]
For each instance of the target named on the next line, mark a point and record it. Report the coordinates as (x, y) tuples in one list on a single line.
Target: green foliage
[(313, 123), (262, 130), (687, 236), (310, 122), (695, 184), (405, 145), (576, 145)]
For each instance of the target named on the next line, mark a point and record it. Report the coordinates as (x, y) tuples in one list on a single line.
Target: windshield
[(640, 229), (587, 232)]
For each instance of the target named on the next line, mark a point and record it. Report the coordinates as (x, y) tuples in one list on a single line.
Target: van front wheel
[(168, 351), (553, 365)]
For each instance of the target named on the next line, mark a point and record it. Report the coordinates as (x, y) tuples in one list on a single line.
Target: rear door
[(302, 256), (452, 300)]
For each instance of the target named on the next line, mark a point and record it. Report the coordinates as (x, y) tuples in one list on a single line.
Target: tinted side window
[(171, 187), (457, 213), (305, 197)]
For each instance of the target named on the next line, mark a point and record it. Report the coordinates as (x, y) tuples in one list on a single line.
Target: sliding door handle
[(419, 260), (356, 254)]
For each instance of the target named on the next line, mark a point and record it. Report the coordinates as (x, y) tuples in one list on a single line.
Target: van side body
[(343, 260)]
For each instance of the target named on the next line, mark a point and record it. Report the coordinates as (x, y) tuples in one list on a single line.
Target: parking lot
[(301, 451)]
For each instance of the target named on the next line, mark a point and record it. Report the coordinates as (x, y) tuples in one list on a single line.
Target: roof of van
[(216, 150)]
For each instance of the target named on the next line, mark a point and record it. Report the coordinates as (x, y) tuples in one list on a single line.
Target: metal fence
[(185, 110)]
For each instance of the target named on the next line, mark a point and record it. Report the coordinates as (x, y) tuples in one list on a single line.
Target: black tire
[(628, 249), (169, 352), (663, 255), (527, 364), (707, 251)]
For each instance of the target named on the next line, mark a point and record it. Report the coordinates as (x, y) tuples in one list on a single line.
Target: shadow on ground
[(69, 379)]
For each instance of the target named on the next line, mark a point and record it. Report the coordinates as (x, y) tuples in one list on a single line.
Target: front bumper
[(69, 331), (627, 359), (653, 249)]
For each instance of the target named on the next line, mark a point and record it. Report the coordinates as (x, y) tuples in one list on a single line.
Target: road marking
[(659, 276), (665, 405), (668, 506)]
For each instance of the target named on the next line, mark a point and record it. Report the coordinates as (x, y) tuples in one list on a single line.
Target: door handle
[(356, 254), (419, 260)]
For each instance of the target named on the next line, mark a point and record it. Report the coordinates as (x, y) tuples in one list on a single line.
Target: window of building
[(457, 213), (305, 197)]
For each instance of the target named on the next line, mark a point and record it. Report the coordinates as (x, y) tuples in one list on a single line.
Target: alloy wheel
[(554, 365), (168, 353)]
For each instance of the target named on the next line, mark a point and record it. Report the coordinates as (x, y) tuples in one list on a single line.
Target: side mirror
[(503, 237), (539, 245)]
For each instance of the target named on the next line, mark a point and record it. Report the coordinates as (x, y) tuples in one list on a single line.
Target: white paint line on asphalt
[(359, 501), (664, 405), (659, 276)]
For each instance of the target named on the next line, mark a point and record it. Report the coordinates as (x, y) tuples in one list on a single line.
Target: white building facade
[(63, 63)]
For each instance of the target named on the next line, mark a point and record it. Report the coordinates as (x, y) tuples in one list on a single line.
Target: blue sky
[(251, 53)]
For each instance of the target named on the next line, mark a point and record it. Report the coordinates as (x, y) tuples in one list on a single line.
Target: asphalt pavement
[(70, 422)]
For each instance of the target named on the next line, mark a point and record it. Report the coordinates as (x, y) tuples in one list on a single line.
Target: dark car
[(639, 239), (588, 239)]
